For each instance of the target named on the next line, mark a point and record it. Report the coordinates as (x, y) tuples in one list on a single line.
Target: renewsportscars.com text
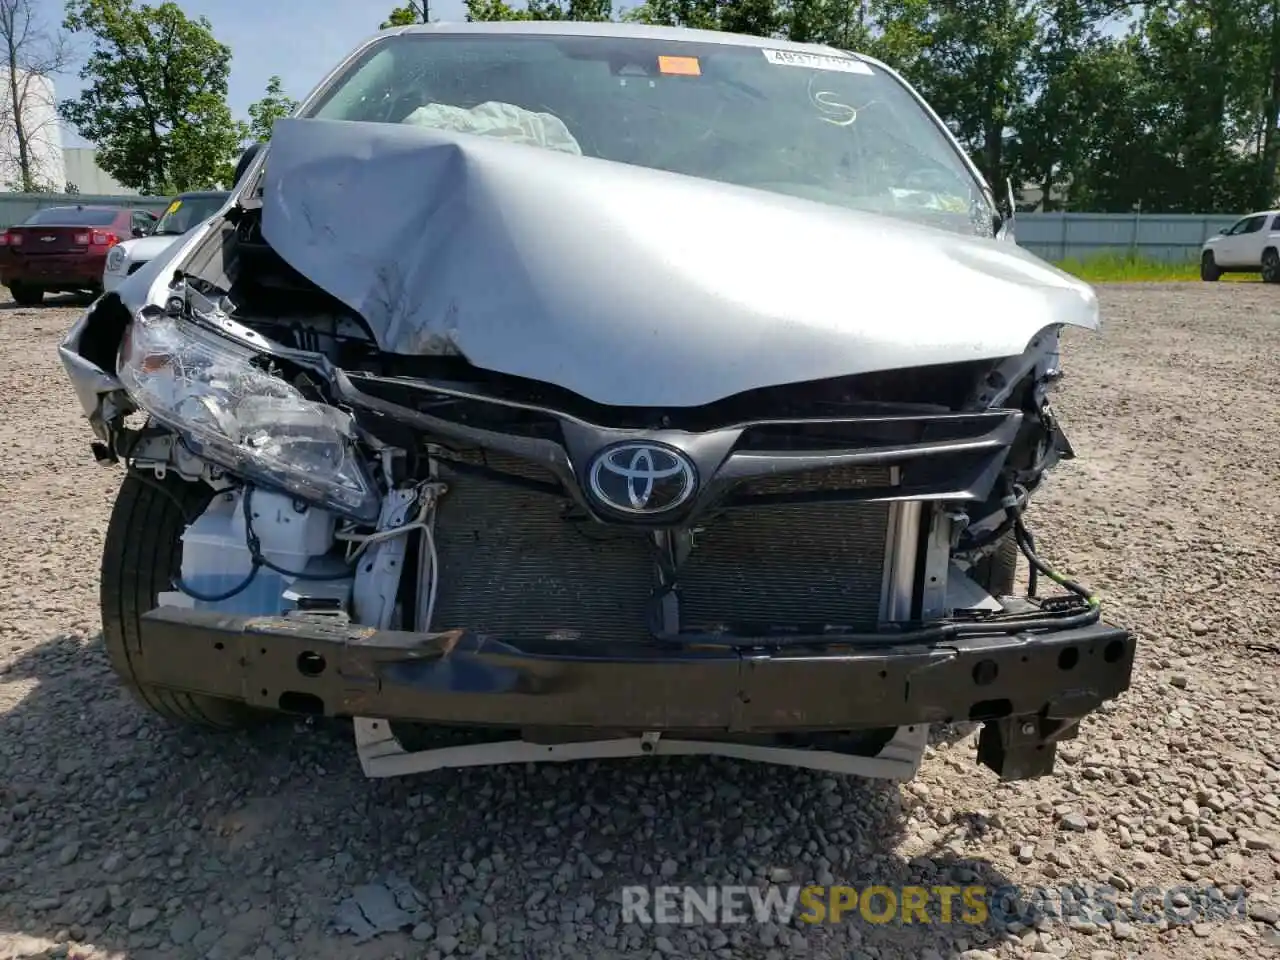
[(879, 904)]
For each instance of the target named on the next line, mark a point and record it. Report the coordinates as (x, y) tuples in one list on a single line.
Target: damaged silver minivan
[(598, 390)]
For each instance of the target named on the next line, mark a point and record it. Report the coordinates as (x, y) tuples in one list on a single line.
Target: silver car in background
[(598, 390)]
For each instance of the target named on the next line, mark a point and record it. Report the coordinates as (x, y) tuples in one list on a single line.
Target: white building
[(82, 170), (52, 165), (37, 108)]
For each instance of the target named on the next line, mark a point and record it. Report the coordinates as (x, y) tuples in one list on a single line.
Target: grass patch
[(1120, 268)]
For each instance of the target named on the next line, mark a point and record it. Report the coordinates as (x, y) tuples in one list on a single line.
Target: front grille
[(828, 478), (514, 564), (503, 464)]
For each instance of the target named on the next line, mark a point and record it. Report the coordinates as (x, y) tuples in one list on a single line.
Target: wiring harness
[(1027, 545)]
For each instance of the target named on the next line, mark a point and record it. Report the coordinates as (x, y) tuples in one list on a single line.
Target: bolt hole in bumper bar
[(1029, 690)]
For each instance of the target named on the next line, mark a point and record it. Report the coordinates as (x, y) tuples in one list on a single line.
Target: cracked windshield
[(831, 129)]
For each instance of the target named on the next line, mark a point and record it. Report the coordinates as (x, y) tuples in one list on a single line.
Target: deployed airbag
[(505, 121)]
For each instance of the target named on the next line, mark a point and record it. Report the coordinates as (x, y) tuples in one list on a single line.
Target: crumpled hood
[(631, 286)]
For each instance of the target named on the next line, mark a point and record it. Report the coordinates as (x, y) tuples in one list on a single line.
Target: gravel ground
[(122, 837)]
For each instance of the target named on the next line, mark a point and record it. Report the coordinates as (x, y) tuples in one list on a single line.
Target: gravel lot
[(122, 837)]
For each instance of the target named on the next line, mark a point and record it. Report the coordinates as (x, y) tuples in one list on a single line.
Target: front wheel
[(25, 296), (141, 555), (1209, 269), (1270, 265)]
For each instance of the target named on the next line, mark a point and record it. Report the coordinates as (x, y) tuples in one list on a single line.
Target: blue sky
[(297, 39)]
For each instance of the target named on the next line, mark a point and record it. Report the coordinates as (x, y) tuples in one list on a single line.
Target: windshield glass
[(72, 217), (186, 212), (832, 129)]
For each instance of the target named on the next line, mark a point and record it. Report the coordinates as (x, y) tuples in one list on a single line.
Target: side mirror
[(1223, 231), (139, 231)]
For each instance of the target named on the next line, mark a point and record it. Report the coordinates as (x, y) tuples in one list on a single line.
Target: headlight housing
[(116, 259), (242, 417)]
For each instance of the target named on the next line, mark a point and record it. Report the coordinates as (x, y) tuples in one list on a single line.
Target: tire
[(1270, 265), (997, 571), (25, 296), (1209, 269), (140, 557)]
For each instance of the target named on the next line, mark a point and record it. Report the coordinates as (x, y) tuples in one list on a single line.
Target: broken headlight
[(244, 418)]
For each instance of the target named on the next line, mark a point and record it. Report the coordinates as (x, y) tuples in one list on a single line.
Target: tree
[(265, 112), (974, 73), (32, 55), (1268, 136), (480, 10), (1066, 74), (415, 11), (761, 18), (156, 96), (848, 24)]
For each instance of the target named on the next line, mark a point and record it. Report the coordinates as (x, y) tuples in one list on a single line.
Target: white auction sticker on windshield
[(816, 61)]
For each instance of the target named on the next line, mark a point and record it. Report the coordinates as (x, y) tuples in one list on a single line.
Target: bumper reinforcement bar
[(1030, 691)]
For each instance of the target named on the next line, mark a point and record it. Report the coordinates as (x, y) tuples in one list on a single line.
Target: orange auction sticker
[(680, 66)]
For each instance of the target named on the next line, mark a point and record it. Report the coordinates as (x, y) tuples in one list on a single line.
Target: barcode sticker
[(816, 61)]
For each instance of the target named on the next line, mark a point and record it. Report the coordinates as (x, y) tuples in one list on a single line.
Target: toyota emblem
[(642, 478)]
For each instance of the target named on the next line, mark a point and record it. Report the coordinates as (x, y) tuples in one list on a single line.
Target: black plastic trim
[(959, 460)]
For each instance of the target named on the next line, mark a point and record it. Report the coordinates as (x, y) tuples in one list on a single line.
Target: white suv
[(1250, 245)]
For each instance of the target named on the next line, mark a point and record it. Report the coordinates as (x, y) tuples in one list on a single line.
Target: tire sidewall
[(26, 296), (141, 553)]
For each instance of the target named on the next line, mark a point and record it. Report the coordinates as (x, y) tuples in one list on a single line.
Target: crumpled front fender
[(90, 381)]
